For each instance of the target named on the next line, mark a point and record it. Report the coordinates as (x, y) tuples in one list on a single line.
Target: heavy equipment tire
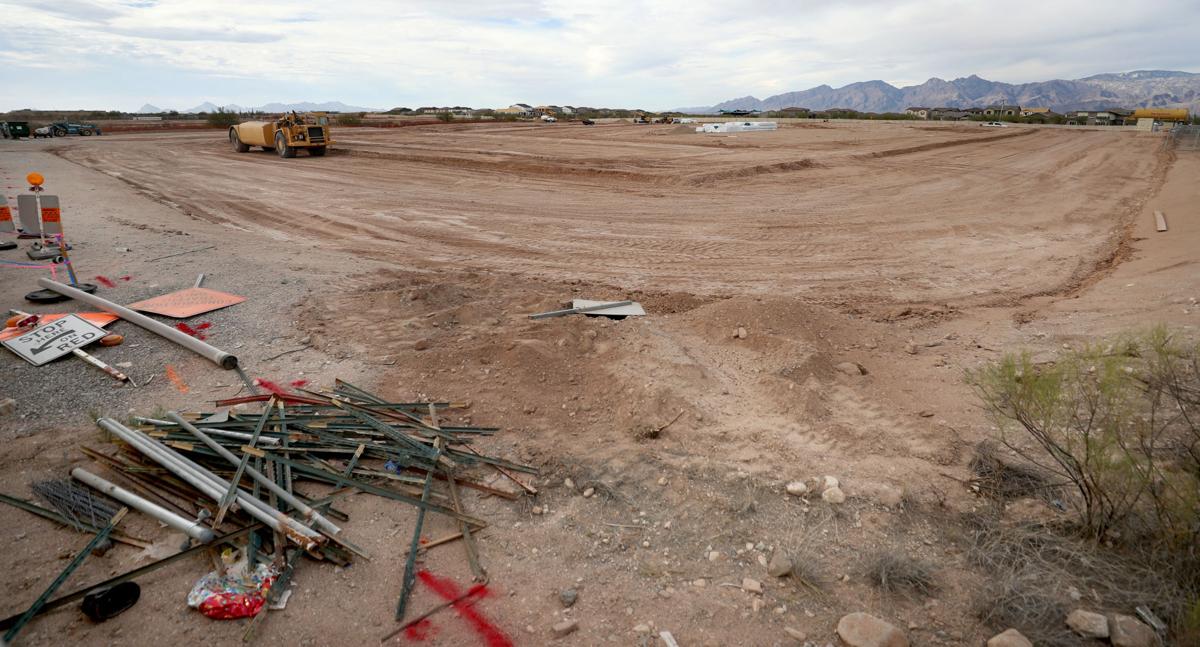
[(86, 132), (316, 151), (59, 132), (282, 147), (238, 146)]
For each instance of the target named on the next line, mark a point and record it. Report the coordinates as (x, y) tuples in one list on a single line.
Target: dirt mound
[(750, 171), (946, 144)]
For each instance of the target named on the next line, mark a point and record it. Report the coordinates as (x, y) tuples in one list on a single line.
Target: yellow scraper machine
[(286, 135)]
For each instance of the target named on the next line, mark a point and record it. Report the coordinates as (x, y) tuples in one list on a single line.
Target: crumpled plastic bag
[(237, 594)]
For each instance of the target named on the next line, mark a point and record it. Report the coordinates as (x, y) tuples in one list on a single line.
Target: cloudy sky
[(120, 54)]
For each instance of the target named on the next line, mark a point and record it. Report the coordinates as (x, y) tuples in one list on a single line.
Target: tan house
[(918, 112)]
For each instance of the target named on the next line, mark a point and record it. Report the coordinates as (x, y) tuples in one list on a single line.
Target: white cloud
[(659, 54)]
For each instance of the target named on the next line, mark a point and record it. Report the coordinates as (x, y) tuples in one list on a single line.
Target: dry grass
[(1033, 573), (1004, 480), (895, 572)]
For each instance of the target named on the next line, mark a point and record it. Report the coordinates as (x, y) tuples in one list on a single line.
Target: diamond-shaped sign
[(187, 303)]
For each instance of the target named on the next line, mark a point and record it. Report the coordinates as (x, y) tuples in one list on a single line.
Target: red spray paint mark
[(299, 383), (188, 330), (446, 589), (421, 631), (270, 386), (127, 278), (105, 281)]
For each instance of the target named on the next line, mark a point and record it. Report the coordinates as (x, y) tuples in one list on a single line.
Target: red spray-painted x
[(446, 589)]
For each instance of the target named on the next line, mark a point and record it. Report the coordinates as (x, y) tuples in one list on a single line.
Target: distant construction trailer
[(737, 127), (1162, 114)]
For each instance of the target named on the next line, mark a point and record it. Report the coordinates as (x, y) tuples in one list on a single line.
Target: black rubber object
[(8, 244), (50, 296), (111, 602)]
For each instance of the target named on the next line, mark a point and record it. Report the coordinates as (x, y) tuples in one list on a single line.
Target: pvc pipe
[(305, 509), (211, 353), (193, 529), (211, 485)]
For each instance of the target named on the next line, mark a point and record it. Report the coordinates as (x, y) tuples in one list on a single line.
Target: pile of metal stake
[(225, 475)]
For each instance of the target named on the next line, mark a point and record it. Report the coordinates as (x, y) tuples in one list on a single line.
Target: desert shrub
[(446, 117), (349, 119), (222, 119), (1119, 423), (896, 572)]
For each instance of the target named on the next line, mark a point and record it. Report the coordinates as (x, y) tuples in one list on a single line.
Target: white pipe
[(308, 512), (211, 353), (211, 485), (193, 529)]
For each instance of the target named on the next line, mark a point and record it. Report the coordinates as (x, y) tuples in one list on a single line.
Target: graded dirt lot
[(408, 259)]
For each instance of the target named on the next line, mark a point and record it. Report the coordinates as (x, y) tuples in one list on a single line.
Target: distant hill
[(1138, 89), (303, 106), (149, 109)]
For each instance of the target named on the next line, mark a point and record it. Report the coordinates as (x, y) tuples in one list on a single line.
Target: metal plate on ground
[(55, 339), (187, 303), (634, 309)]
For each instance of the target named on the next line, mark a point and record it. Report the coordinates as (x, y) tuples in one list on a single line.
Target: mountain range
[(1138, 89), (302, 106)]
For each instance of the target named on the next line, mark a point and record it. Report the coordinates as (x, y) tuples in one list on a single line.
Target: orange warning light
[(35, 179)]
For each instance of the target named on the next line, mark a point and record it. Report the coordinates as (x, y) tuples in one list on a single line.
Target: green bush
[(349, 119), (1119, 423), (222, 119)]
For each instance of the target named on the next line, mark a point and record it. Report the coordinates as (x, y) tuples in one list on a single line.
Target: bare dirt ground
[(915, 251)]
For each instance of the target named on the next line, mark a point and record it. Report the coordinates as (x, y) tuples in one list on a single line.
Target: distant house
[(918, 112), (428, 110), (1110, 117), (949, 114), (1002, 111), (1030, 111), (516, 110), (792, 112), (1042, 117), (552, 111), (567, 110)]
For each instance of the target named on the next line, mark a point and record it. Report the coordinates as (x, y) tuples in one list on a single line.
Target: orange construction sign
[(187, 303)]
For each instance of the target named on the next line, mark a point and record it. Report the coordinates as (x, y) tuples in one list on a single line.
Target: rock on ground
[(797, 488), (780, 565), (565, 627), (865, 630), (833, 495), (851, 368), (1128, 631), (752, 586), (1088, 624), (568, 597), (1009, 638)]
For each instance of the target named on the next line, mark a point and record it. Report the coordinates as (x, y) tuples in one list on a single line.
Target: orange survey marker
[(187, 303)]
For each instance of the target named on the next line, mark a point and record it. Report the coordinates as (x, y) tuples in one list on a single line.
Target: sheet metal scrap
[(345, 438)]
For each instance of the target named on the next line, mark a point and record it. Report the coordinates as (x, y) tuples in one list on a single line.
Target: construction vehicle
[(14, 129), (285, 135), (64, 128)]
